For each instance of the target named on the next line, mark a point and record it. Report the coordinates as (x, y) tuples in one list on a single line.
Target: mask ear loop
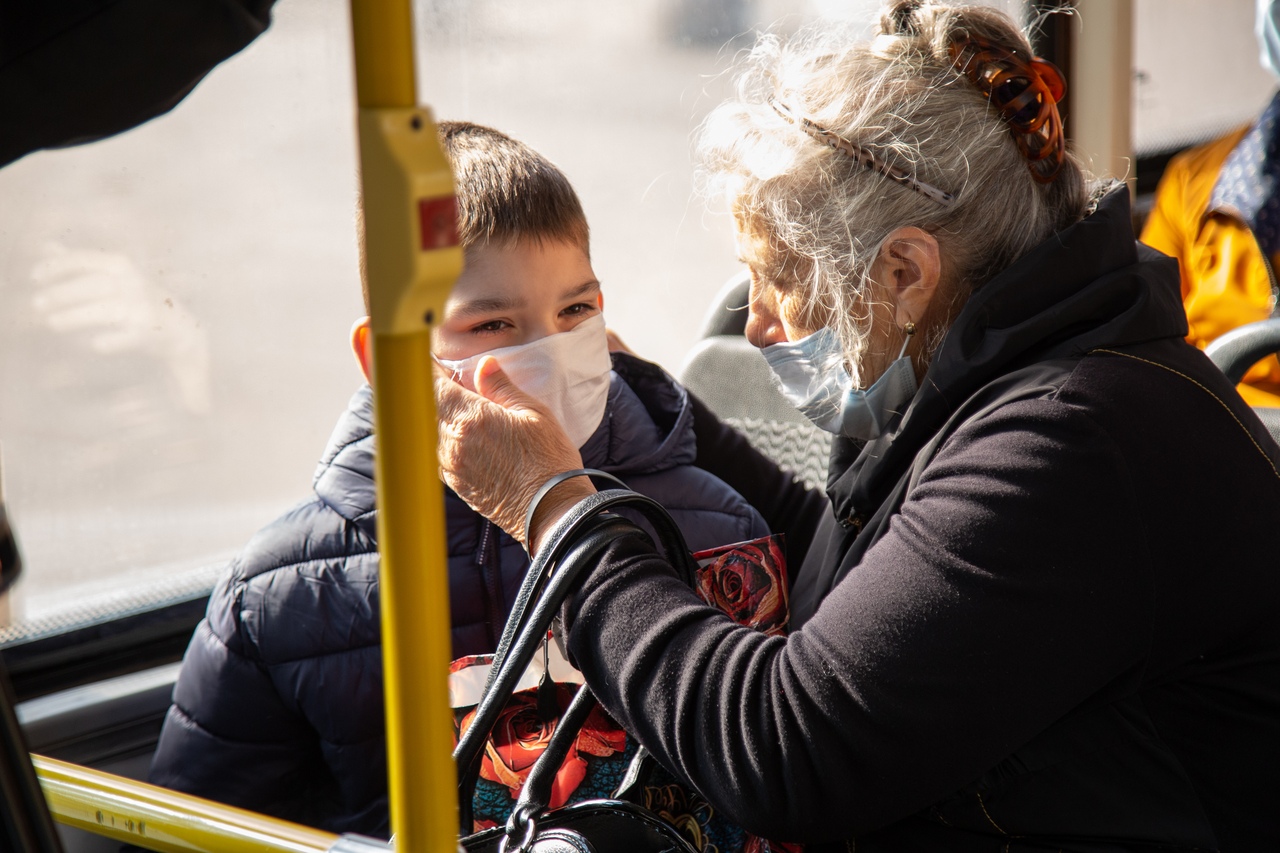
[(455, 373)]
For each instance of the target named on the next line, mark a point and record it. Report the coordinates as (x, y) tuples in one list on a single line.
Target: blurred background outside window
[(177, 300)]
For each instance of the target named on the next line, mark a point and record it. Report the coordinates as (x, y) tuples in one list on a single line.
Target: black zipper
[(490, 564)]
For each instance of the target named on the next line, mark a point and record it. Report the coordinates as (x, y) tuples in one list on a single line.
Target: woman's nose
[(764, 327)]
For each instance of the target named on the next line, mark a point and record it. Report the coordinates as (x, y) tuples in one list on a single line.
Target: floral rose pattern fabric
[(520, 736), (748, 581)]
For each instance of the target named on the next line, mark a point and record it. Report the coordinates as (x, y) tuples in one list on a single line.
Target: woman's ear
[(362, 346), (910, 266)]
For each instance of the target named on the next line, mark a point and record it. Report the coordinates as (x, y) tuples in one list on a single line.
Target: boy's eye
[(578, 308), (490, 327)]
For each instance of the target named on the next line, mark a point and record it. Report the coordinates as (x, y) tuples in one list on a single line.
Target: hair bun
[(901, 18)]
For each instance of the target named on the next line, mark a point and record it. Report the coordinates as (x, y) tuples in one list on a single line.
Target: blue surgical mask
[(1267, 29), (811, 374)]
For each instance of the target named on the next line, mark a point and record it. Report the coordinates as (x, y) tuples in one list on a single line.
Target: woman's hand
[(498, 446)]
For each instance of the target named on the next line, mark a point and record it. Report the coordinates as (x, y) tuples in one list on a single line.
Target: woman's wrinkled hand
[(498, 446)]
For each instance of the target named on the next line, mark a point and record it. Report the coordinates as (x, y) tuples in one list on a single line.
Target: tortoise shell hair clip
[(1025, 92)]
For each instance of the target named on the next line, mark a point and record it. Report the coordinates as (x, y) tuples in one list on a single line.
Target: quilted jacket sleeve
[(228, 735)]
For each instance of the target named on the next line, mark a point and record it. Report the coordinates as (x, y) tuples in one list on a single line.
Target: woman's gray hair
[(899, 97)]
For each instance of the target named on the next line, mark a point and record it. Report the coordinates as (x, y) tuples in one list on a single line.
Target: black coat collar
[(1088, 286)]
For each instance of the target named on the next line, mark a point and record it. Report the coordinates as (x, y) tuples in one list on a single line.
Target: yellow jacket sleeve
[(1225, 280)]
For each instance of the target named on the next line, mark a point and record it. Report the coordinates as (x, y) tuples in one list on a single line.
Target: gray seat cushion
[(733, 379)]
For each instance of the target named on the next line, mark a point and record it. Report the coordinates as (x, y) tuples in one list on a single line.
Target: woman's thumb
[(494, 385)]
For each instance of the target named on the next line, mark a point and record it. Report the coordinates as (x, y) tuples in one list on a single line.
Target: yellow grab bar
[(164, 820), (382, 36), (412, 258)]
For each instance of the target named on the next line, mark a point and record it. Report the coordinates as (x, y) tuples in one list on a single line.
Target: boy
[(279, 705)]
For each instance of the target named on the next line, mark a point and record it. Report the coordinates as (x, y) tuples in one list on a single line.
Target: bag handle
[(506, 675), (559, 537), (573, 544), (535, 796), (535, 576)]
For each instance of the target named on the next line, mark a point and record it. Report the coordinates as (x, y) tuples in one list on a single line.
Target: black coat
[(1043, 615), (279, 705)]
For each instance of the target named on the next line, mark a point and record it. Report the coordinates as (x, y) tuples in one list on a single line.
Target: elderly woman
[(1036, 613)]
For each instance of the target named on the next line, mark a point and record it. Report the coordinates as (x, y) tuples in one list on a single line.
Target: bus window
[(1177, 102), (178, 298)]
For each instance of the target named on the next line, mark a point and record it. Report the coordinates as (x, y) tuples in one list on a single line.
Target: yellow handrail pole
[(411, 259), (164, 820), (382, 35)]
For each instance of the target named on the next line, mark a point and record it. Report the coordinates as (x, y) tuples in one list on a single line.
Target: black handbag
[(591, 826)]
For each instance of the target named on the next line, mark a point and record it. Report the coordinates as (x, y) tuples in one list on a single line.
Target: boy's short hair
[(506, 191)]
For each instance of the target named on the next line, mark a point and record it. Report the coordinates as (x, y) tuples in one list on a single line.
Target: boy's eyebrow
[(581, 290), (487, 304)]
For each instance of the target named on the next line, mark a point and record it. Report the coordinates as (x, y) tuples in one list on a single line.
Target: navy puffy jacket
[(279, 704)]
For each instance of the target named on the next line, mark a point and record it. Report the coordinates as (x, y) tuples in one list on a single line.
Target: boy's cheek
[(450, 344), (445, 345), (435, 339)]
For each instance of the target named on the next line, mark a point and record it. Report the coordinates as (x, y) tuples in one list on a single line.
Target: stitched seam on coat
[(990, 819), (1239, 423), (323, 653), (247, 580)]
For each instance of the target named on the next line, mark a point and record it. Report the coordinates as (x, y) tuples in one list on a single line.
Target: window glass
[(1196, 71), (177, 300)]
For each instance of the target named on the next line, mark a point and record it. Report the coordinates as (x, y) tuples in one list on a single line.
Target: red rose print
[(600, 735), (748, 582), (756, 844), (520, 736)]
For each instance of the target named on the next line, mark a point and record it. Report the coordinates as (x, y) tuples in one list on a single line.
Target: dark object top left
[(80, 70)]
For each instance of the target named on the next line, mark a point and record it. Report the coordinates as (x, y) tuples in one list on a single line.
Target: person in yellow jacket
[(1217, 210), (1228, 277)]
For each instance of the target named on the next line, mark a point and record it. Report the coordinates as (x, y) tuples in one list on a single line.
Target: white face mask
[(813, 378), (567, 372), (1267, 29)]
